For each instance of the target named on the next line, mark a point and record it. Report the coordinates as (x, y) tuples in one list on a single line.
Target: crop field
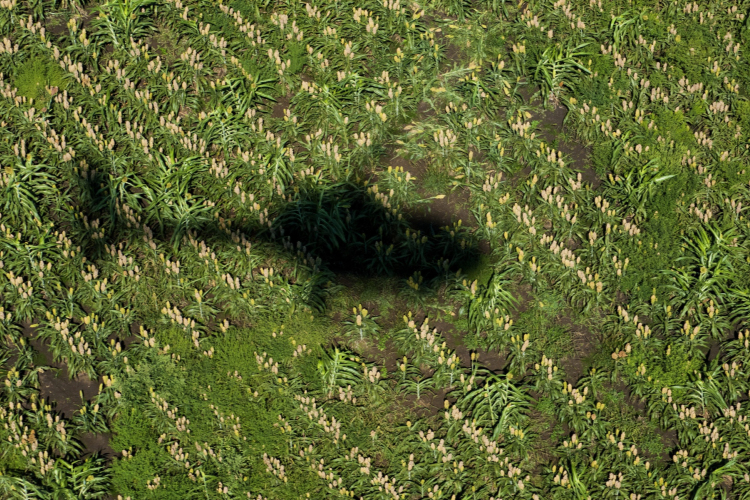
[(375, 249)]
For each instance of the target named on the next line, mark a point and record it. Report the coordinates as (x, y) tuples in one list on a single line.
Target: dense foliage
[(241, 220)]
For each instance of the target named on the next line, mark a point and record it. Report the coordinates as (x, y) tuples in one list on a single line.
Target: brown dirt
[(429, 405), (439, 213), (552, 120), (668, 437), (392, 158), (457, 200), (522, 292), (371, 352), (424, 112), (453, 54), (544, 444), (97, 443), (583, 346), (577, 152), (278, 108), (520, 176), (430, 401), (64, 393), (57, 26), (87, 15), (491, 360)]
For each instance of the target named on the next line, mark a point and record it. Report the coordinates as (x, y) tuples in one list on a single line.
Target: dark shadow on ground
[(339, 229)]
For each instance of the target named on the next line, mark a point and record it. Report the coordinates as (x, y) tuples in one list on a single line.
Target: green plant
[(190, 216), (414, 381), (119, 20), (555, 67), (362, 325), (39, 79), (639, 187), (706, 272), (496, 294), (497, 403), (338, 368)]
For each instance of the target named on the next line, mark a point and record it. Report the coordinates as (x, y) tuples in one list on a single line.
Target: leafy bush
[(35, 76)]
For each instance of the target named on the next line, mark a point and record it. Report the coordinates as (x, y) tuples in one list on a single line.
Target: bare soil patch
[(65, 394), (278, 108), (552, 122)]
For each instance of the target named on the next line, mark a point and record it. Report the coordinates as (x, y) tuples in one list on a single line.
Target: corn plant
[(211, 181), (705, 273), (337, 368), (639, 187), (363, 324), (555, 67), (119, 20), (84, 479), (414, 381), (497, 403), (486, 298)]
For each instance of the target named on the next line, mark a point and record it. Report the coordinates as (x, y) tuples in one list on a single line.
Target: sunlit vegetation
[(443, 249)]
